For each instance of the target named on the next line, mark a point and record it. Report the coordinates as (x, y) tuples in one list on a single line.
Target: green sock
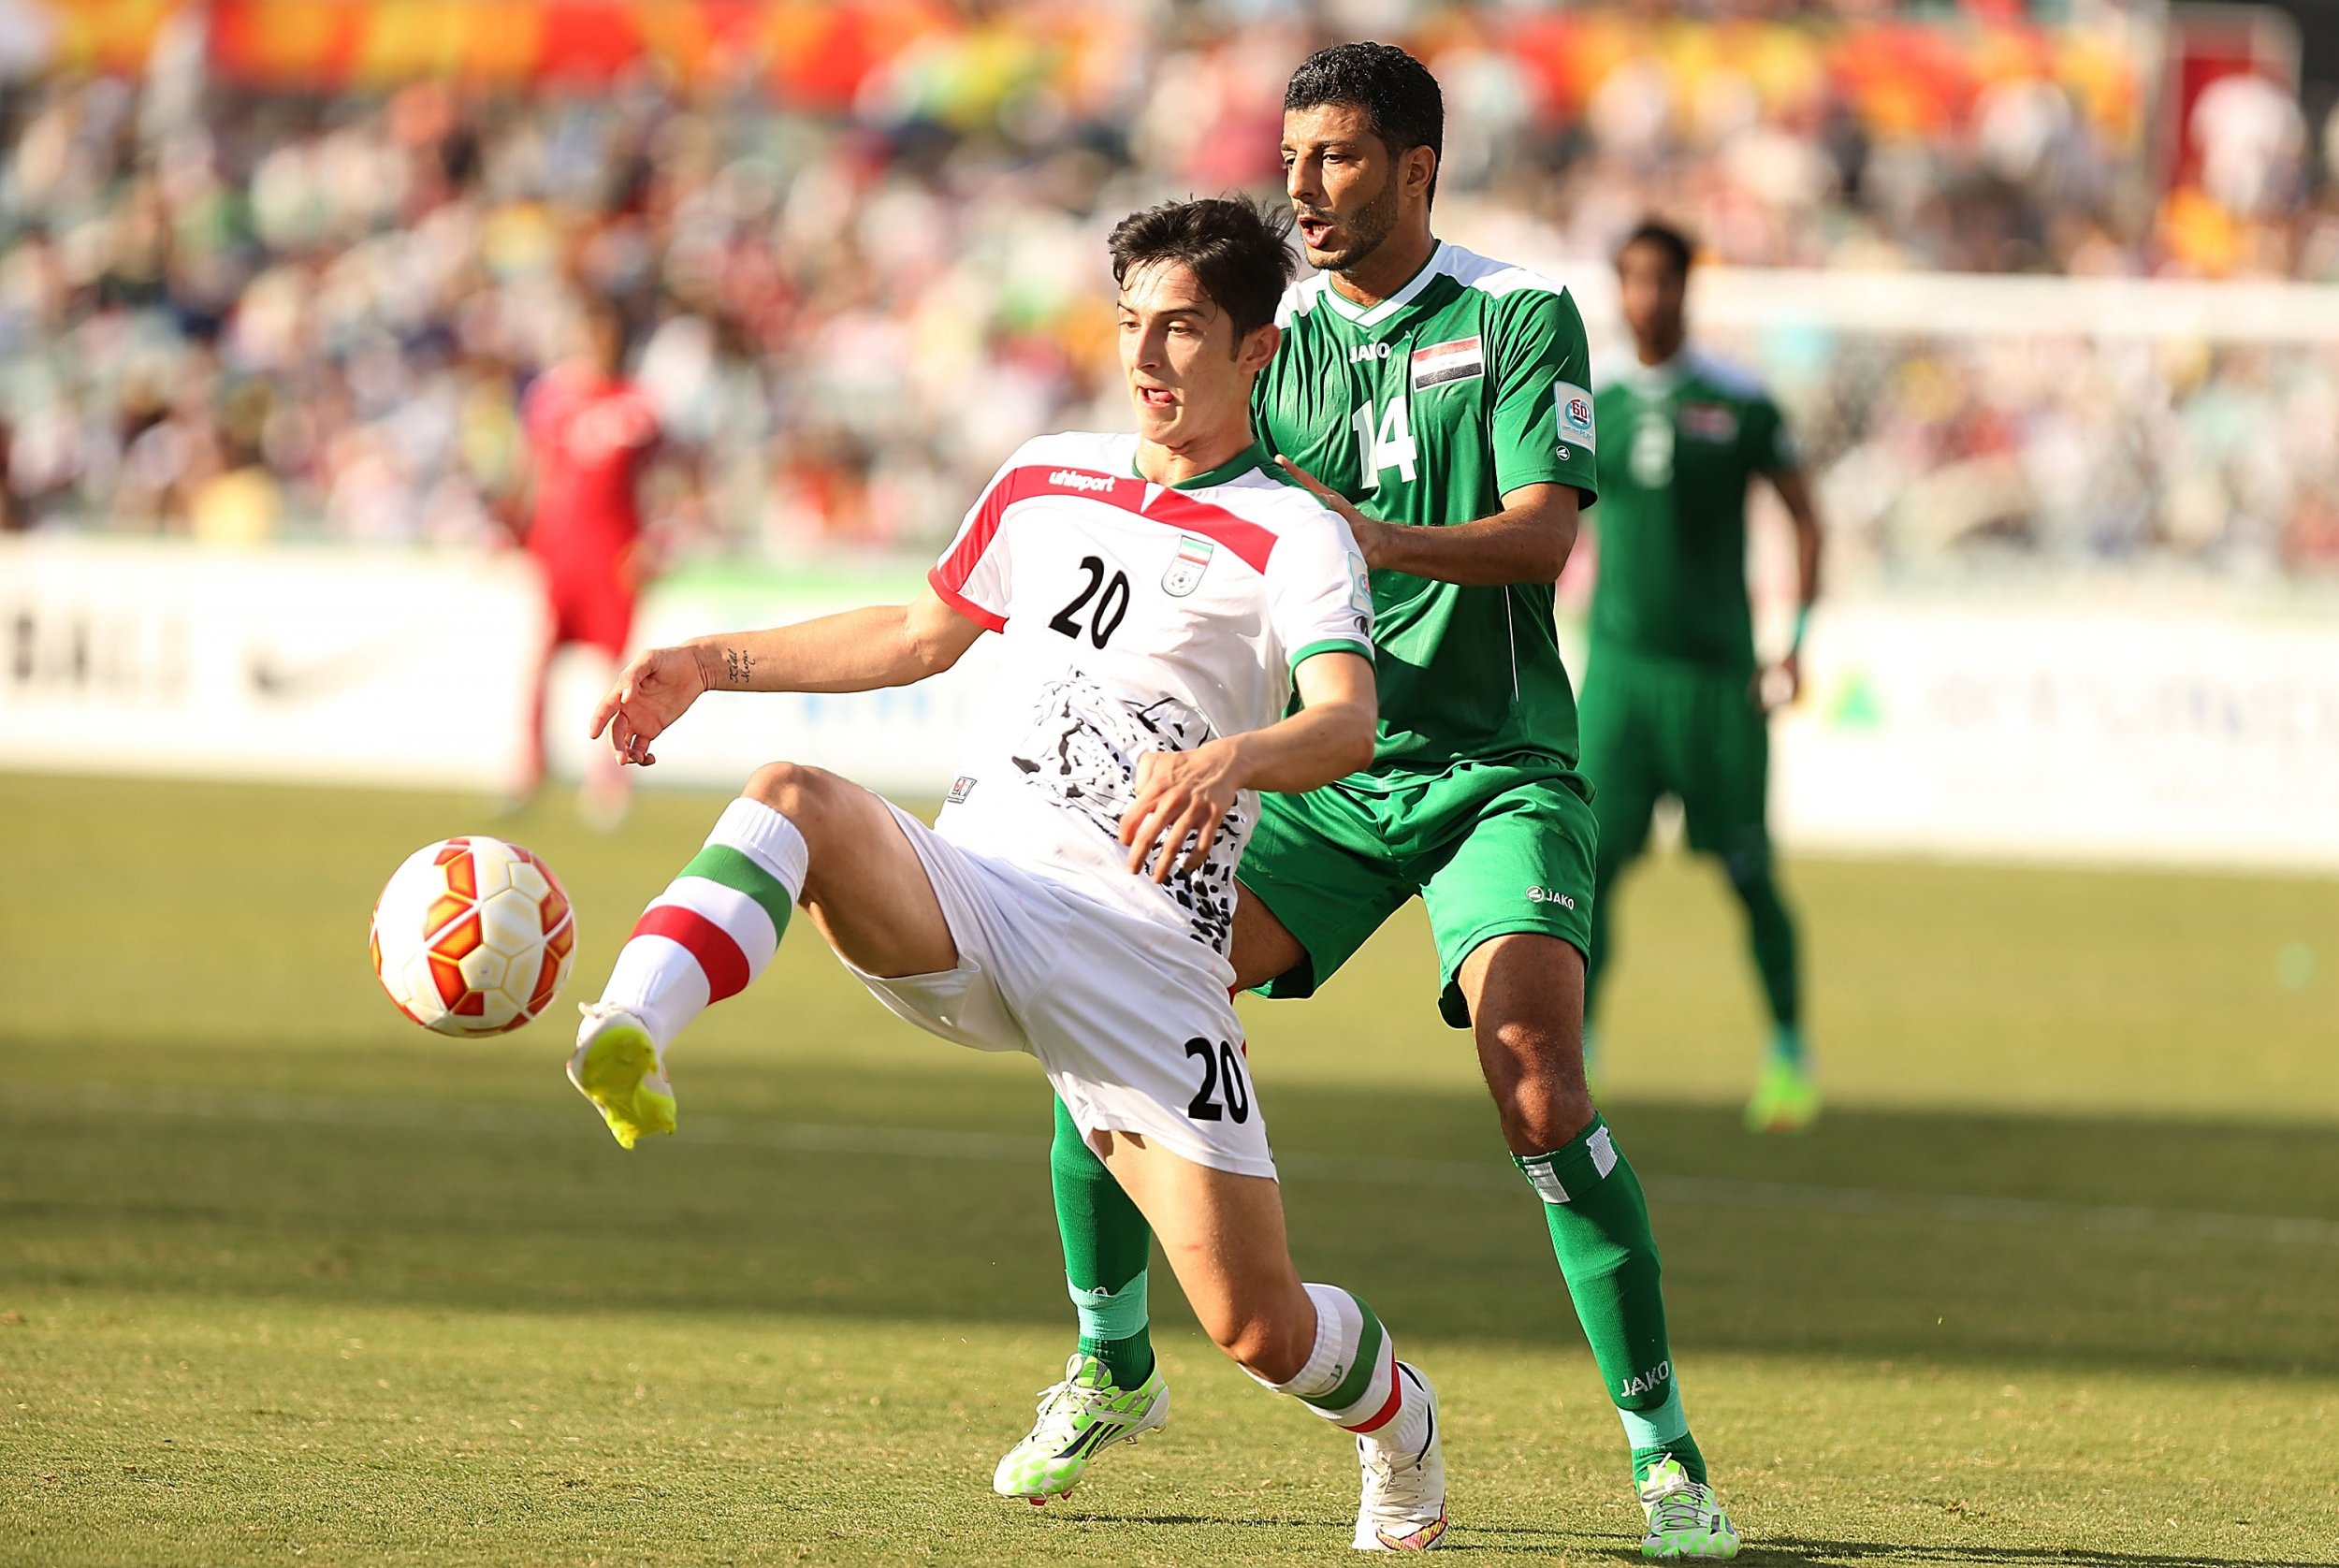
[(1770, 936), (1786, 1045), (1107, 1245), (1600, 1233)]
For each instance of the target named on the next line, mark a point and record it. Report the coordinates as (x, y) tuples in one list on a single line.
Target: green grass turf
[(283, 1278)]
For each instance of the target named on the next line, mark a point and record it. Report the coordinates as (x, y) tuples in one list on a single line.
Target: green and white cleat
[(1785, 1100), (1079, 1419), (623, 1072), (1685, 1520)]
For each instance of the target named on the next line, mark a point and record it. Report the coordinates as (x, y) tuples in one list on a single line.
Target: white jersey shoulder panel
[(1491, 277), (1732, 377)]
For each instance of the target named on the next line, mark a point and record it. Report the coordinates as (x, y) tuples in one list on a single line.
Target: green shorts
[(1491, 848), (1654, 727)]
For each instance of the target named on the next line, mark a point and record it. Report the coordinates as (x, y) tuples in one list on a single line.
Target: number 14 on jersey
[(1384, 440)]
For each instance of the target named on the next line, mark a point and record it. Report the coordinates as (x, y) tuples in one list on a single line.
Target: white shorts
[(1130, 1019)]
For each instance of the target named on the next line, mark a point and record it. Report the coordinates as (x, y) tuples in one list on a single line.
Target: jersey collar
[(1661, 380), (1348, 309), (1232, 468)]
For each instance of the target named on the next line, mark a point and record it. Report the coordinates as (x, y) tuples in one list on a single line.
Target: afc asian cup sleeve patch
[(1574, 411), (1359, 590)]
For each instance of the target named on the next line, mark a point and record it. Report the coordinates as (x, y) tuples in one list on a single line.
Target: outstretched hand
[(657, 688)]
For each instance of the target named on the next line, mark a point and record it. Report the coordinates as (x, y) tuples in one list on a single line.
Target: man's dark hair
[(1664, 237), (1399, 98), (1234, 246)]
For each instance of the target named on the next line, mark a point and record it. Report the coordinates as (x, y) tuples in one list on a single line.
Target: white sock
[(716, 925), (1350, 1377)]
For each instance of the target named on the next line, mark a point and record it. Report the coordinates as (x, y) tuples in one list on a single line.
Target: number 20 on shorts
[(1222, 1070)]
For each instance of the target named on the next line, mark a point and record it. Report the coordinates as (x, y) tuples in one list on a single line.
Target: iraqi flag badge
[(1186, 572)]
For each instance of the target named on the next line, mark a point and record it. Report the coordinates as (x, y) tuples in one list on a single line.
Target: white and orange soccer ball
[(472, 936)]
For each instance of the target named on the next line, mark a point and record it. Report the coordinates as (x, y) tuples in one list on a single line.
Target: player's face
[(1346, 191), (1651, 291), (1189, 376)]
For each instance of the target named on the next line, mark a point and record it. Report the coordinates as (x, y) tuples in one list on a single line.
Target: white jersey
[(1135, 618)]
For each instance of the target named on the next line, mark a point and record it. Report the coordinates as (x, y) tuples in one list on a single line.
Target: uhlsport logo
[(1551, 895), (1072, 479)]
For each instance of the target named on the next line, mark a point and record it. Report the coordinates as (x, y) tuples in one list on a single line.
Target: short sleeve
[(1320, 598), (1544, 430), (972, 576), (1770, 446)]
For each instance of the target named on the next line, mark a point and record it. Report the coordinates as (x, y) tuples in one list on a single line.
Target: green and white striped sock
[(716, 925), (1350, 1377)]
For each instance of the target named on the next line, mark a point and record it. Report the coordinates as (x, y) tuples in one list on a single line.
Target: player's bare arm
[(1527, 541), (1181, 796), (1794, 485), (857, 650)]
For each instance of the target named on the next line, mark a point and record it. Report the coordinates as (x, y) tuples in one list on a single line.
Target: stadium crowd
[(244, 313)]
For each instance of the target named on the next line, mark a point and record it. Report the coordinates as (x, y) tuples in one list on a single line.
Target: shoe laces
[(1673, 1499), (1074, 1397), (1393, 1478)]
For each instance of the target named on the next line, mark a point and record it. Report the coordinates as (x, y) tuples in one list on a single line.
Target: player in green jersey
[(1674, 702), (1441, 403)]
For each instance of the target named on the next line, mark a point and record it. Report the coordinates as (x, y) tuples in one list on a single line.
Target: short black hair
[(1235, 247), (1675, 245), (1401, 100)]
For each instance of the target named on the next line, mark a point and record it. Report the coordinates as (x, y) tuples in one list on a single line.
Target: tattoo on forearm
[(738, 666)]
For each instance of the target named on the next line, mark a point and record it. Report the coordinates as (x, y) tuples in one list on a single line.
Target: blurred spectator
[(248, 313)]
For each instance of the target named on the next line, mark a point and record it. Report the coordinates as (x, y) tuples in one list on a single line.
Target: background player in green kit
[(1674, 700), (1441, 401)]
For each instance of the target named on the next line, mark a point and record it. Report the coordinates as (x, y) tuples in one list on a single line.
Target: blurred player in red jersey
[(590, 436)]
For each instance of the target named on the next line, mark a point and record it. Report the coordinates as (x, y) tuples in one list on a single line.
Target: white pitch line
[(23, 1095)]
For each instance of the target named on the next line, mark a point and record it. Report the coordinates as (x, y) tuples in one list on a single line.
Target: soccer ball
[(472, 936)]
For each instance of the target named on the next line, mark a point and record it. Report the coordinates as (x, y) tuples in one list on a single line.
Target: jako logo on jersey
[(1574, 405), (1186, 572), (1458, 361), (1364, 353), (1072, 479), (1648, 1382), (1546, 895)]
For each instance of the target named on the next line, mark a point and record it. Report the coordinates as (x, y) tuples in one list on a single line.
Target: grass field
[(283, 1278)]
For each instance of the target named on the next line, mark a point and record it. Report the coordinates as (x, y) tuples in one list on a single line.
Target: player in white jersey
[(1160, 598)]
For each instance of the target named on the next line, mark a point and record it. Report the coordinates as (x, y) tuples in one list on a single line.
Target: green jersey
[(1685, 440), (1470, 382)]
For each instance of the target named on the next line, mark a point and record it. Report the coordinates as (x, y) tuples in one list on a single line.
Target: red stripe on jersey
[(715, 948), (1171, 508), (963, 605), (1015, 484), (1180, 511)]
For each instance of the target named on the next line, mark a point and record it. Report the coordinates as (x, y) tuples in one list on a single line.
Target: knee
[(1749, 870), (1269, 1345), (797, 792), (1537, 1075)]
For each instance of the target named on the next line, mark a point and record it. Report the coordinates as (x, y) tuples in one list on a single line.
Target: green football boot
[(1686, 1523), (1079, 1419), (623, 1072), (1785, 1100)]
